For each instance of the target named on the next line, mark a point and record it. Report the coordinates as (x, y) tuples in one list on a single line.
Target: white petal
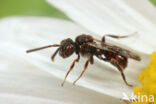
[(21, 81), (146, 9), (116, 17), (26, 33)]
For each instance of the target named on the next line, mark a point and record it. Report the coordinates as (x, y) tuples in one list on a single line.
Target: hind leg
[(116, 63), (116, 36), (124, 78)]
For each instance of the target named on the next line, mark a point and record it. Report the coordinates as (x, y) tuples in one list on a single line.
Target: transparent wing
[(115, 49)]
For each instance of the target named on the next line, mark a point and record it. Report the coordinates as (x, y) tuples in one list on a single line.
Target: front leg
[(53, 56)]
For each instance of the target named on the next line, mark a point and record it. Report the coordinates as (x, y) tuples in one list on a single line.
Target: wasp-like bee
[(86, 45)]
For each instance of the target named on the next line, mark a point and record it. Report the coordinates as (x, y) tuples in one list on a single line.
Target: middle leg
[(71, 67), (85, 67)]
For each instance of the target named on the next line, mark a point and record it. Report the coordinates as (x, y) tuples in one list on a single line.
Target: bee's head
[(67, 48)]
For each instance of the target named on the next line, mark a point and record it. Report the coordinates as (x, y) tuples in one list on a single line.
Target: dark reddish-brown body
[(86, 45)]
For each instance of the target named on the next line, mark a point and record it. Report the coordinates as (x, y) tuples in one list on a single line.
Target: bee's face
[(67, 48)]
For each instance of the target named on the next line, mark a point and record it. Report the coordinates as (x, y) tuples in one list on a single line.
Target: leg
[(53, 56), (91, 60), (85, 67), (116, 36), (71, 67), (123, 77), (117, 64)]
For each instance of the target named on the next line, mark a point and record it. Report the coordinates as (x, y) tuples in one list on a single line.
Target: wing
[(115, 49)]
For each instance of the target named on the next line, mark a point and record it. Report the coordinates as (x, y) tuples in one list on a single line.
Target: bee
[(86, 45)]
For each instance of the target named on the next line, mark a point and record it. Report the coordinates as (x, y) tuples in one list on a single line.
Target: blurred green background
[(154, 2), (31, 8)]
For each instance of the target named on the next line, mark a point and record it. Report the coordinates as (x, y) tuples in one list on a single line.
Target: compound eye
[(67, 50), (69, 46)]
